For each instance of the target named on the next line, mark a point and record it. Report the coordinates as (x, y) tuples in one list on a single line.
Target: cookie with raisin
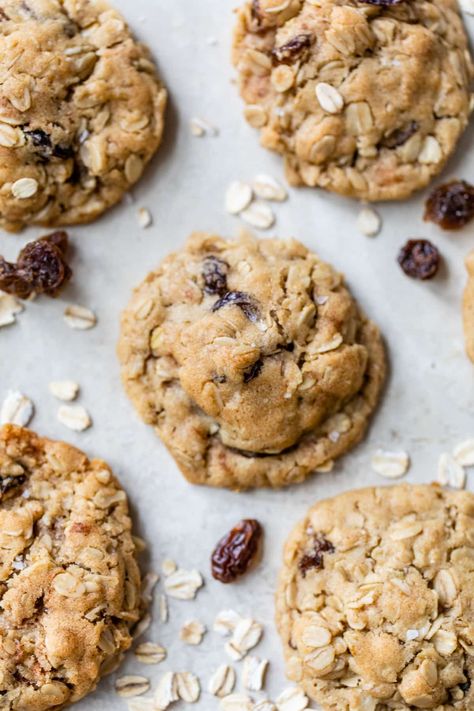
[(81, 111), (366, 98), (374, 604), (251, 359), (69, 579)]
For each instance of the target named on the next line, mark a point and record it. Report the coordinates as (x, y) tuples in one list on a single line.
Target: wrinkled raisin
[(42, 142), (293, 48), (419, 259), (253, 372), (41, 268), (235, 552), (214, 273), (315, 559), (400, 135), (451, 206), (11, 482), (244, 301)]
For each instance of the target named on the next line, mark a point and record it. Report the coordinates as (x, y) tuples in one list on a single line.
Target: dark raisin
[(315, 559), (293, 48), (214, 273), (235, 552), (63, 152), (244, 301), (451, 206), (400, 135), (419, 259), (41, 268), (253, 372), (11, 482), (42, 142), (382, 3)]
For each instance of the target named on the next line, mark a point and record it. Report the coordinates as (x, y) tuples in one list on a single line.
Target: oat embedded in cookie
[(69, 581), (251, 360), (81, 111), (365, 99), (380, 616)]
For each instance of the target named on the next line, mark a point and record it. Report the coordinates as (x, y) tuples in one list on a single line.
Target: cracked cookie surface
[(81, 111), (367, 99), (69, 581), (251, 360), (375, 600)]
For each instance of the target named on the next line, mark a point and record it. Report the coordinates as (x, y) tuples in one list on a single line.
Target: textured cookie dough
[(375, 600), (251, 360), (468, 307), (367, 99), (69, 581), (81, 111)]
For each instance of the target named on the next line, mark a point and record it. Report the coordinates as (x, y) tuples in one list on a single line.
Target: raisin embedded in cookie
[(251, 360), (375, 600), (69, 581), (366, 98), (468, 307), (81, 111)]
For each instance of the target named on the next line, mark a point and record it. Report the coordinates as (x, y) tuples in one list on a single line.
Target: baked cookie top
[(375, 600), (69, 581), (251, 359), (363, 97), (81, 111)]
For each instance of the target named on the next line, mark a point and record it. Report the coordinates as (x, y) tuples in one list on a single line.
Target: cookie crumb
[(145, 218), (369, 222)]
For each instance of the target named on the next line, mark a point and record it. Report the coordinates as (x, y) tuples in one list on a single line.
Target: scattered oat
[(369, 222), (188, 687), (142, 626), (238, 197), (183, 584), (259, 215), (264, 705), (199, 128), (24, 188), (253, 675), (246, 636), (390, 465), (222, 682), (128, 686), (149, 653), (66, 390), (292, 699), (464, 453), (329, 98), (144, 217), (79, 318), (168, 567), (141, 704), (167, 692), (164, 612), (192, 632), (236, 702), (75, 417), (267, 188), (17, 409), (226, 622), (450, 473), (9, 308), (148, 585)]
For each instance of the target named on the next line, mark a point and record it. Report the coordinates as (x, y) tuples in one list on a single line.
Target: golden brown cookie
[(251, 360), (69, 581), (375, 600), (81, 111), (366, 98)]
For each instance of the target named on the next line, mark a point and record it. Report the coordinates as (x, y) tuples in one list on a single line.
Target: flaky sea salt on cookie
[(366, 98), (81, 111), (69, 580), (251, 360), (374, 604)]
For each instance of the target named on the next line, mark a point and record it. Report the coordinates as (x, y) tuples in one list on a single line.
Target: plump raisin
[(400, 135), (244, 301), (254, 371), (11, 482), (293, 48), (315, 559), (235, 552), (451, 206), (419, 259), (214, 273), (41, 268)]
